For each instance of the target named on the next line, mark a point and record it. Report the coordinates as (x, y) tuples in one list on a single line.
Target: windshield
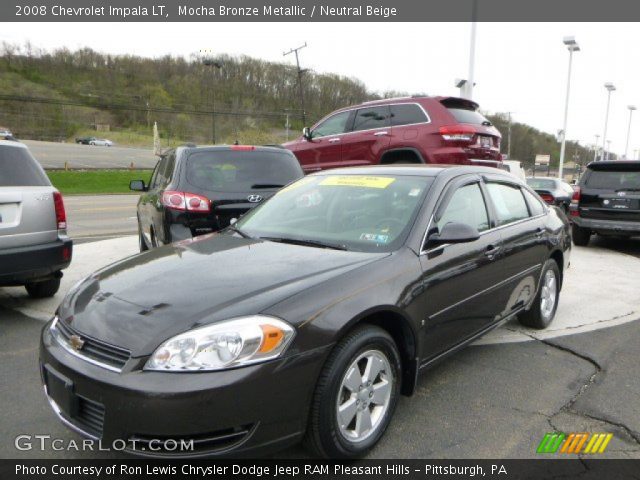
[(541, 183), (614, 180), (241, 171), (356, 212)]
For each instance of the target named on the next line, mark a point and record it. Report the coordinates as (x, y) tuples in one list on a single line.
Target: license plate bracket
[(61, 391)]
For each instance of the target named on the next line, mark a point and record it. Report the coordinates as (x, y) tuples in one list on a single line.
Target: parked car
[(607, 201), (197, 190), (85, 140), (34, 246), (402, 130), (553, 191), (101, 142), (514, 167), (309, 316)]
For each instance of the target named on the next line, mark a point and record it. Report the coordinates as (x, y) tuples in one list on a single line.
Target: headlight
[(226, 344)]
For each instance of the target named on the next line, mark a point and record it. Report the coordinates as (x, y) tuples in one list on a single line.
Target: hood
[(141, 301)]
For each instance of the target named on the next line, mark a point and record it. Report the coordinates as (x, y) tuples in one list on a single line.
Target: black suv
[(198, 190), (607, 201)]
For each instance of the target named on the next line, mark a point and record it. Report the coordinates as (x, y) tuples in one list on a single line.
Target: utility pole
[(214, 64), (300, 73)]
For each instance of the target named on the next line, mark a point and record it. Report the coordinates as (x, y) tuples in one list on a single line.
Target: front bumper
[(23, 264), (611, 227), (243, 411)]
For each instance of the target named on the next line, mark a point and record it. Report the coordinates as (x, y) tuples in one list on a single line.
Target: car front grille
[(100, 352), (213, 442)]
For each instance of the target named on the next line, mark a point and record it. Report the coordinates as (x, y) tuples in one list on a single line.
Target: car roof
[(12, 143), (613, 164), (230, 148), (422, 170)]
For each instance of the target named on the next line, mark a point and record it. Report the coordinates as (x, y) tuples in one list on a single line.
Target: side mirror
[(306, 133), (233, 221), (455, 233), (137, 186)]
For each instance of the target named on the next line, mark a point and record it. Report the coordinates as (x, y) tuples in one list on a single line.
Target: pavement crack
[(633, 436)]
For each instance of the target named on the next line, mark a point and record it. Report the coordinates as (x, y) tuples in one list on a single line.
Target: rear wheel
[(580, 235), (544, 307), (45, 289), (355, 396)]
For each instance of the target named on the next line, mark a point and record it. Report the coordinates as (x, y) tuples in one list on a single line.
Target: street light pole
[(608, 148), (572, 46), (509, 137), (626, 147), (610, 88), (472, 50), (595, 148)]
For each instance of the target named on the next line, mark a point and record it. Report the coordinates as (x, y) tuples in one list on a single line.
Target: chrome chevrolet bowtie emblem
[(76, 342), (254, 198)]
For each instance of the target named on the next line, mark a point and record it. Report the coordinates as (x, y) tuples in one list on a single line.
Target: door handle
[(380, 134), (539, 232), (333, 140), (491, 252)]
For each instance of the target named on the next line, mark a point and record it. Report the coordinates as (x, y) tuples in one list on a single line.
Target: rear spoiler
[(457, 102)]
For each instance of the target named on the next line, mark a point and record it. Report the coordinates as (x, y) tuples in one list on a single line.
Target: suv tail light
[(574, 211), (61, 215), (458, 133), (547, 197), (186, 201), (244, 148)]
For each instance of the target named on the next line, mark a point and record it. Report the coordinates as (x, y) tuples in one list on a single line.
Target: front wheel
[(544, 307), (355, 396)]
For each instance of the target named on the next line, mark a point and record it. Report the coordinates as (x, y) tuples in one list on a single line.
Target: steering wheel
[(389, 222)]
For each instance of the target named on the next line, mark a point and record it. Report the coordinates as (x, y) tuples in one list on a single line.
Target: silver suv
[(34, 246)]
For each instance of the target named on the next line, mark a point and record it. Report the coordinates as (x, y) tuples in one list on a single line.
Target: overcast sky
[(520, 67)]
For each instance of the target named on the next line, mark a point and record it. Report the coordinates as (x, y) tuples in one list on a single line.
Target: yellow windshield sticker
[(357, 181)]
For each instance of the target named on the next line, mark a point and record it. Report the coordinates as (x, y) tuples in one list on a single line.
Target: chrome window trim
[(377, 128), (500, 227), (55, 333)]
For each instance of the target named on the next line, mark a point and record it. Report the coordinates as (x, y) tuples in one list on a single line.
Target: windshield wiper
[(310, 243), (239, 232), (628, 190), (267, 185)]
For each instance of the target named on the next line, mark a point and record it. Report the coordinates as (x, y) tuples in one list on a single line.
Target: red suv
[(400, 130)]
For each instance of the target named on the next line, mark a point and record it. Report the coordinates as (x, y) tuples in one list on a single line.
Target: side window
[(407, 114), (372, 117), (534, 204), (466, 206), (333, 125), (509, 202), (154, 176), (171, 163), (158, 177)]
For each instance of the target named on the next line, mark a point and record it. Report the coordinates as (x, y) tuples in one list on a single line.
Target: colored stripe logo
[(574, 443)]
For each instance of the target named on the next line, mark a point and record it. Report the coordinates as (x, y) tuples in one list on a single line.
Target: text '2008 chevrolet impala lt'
[(308, 317)]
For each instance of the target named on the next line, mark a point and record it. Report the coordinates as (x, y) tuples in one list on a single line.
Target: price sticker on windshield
[(357, 181)]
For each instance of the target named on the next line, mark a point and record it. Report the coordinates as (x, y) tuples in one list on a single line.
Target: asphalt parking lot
[(496, 398)]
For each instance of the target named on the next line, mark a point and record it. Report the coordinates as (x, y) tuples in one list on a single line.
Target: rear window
[(241, 171), (613, 180), (541, 183), (469, 116), (18, 168)]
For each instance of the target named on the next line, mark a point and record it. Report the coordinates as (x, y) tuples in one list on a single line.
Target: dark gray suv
[(34, 246)]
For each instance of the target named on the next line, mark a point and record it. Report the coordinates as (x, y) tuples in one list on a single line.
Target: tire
[(45, 289), (142, 243), (540, 315), (580, 235), (326, 435)]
